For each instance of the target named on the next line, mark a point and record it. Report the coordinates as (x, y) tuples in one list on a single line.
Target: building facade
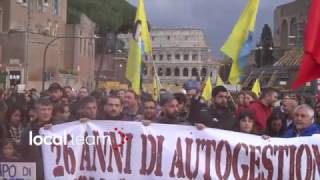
[(113, 67), (180, 54), (80, 57), (289, 23), (27, 26)]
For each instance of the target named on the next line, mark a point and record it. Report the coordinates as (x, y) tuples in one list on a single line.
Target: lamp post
[(44, 63)]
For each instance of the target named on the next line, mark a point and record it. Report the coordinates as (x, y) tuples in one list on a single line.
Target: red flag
[(310, 67)]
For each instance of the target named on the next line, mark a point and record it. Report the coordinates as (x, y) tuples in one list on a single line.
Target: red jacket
[(262, 113)]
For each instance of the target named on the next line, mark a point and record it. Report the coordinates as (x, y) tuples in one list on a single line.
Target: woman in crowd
[(61, 114), (246, 122), (9, 151), (15, 124), (276, 126), (248, 98)]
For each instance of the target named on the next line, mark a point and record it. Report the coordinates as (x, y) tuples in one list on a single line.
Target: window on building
[(168, 72), (160, 57), (204, 57), (177, 56), (169, 57), (293, 27), (145, 71), (194, 57), (293, 31), (185, 72), (45, 3), (194, 72), (39, 4), (152, 37), (176, 72), (203, 72), (146, 57), (284, 34), (168, 37), (55, 7), (186, 57), (160, 72)]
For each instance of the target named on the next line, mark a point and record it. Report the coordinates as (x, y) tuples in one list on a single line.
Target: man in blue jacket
[(303, 123)]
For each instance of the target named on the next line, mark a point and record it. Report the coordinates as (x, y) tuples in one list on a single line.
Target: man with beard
[(218, 115), (170, 110), (112, 108), (56, 92)]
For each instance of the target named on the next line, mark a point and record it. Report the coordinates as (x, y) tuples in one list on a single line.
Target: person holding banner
[(246, 122), (276, 125), (131, 106), (32, 152), (218, 115), (149, 110), (112, 108), (88, 108), (303, 123), (170, 110), (182, 107)]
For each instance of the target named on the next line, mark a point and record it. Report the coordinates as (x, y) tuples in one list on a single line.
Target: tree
[(109, 15), (267, 46), (263, 55)]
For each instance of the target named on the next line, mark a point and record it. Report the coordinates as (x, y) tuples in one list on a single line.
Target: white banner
[(17, 171), (129, 150)]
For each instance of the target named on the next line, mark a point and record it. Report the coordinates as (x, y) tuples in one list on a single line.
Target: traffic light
[(14, 78)]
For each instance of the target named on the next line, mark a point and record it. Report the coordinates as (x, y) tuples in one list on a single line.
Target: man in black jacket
[(219, 115), (31, 151)]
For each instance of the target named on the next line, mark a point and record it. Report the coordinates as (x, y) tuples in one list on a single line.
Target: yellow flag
[(240, 32), (156, 86), (133, 72), (219, 81), (235, 73), (207, 91), (141, 17), (235, 45), (140, 45), (256, 88)]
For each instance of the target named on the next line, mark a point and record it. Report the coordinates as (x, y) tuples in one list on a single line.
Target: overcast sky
[(215, 17)]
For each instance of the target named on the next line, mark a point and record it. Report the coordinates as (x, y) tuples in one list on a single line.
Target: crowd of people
[(272, 114)]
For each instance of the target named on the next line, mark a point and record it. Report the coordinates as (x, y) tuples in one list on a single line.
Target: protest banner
[(17, 170), (129, 150)]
